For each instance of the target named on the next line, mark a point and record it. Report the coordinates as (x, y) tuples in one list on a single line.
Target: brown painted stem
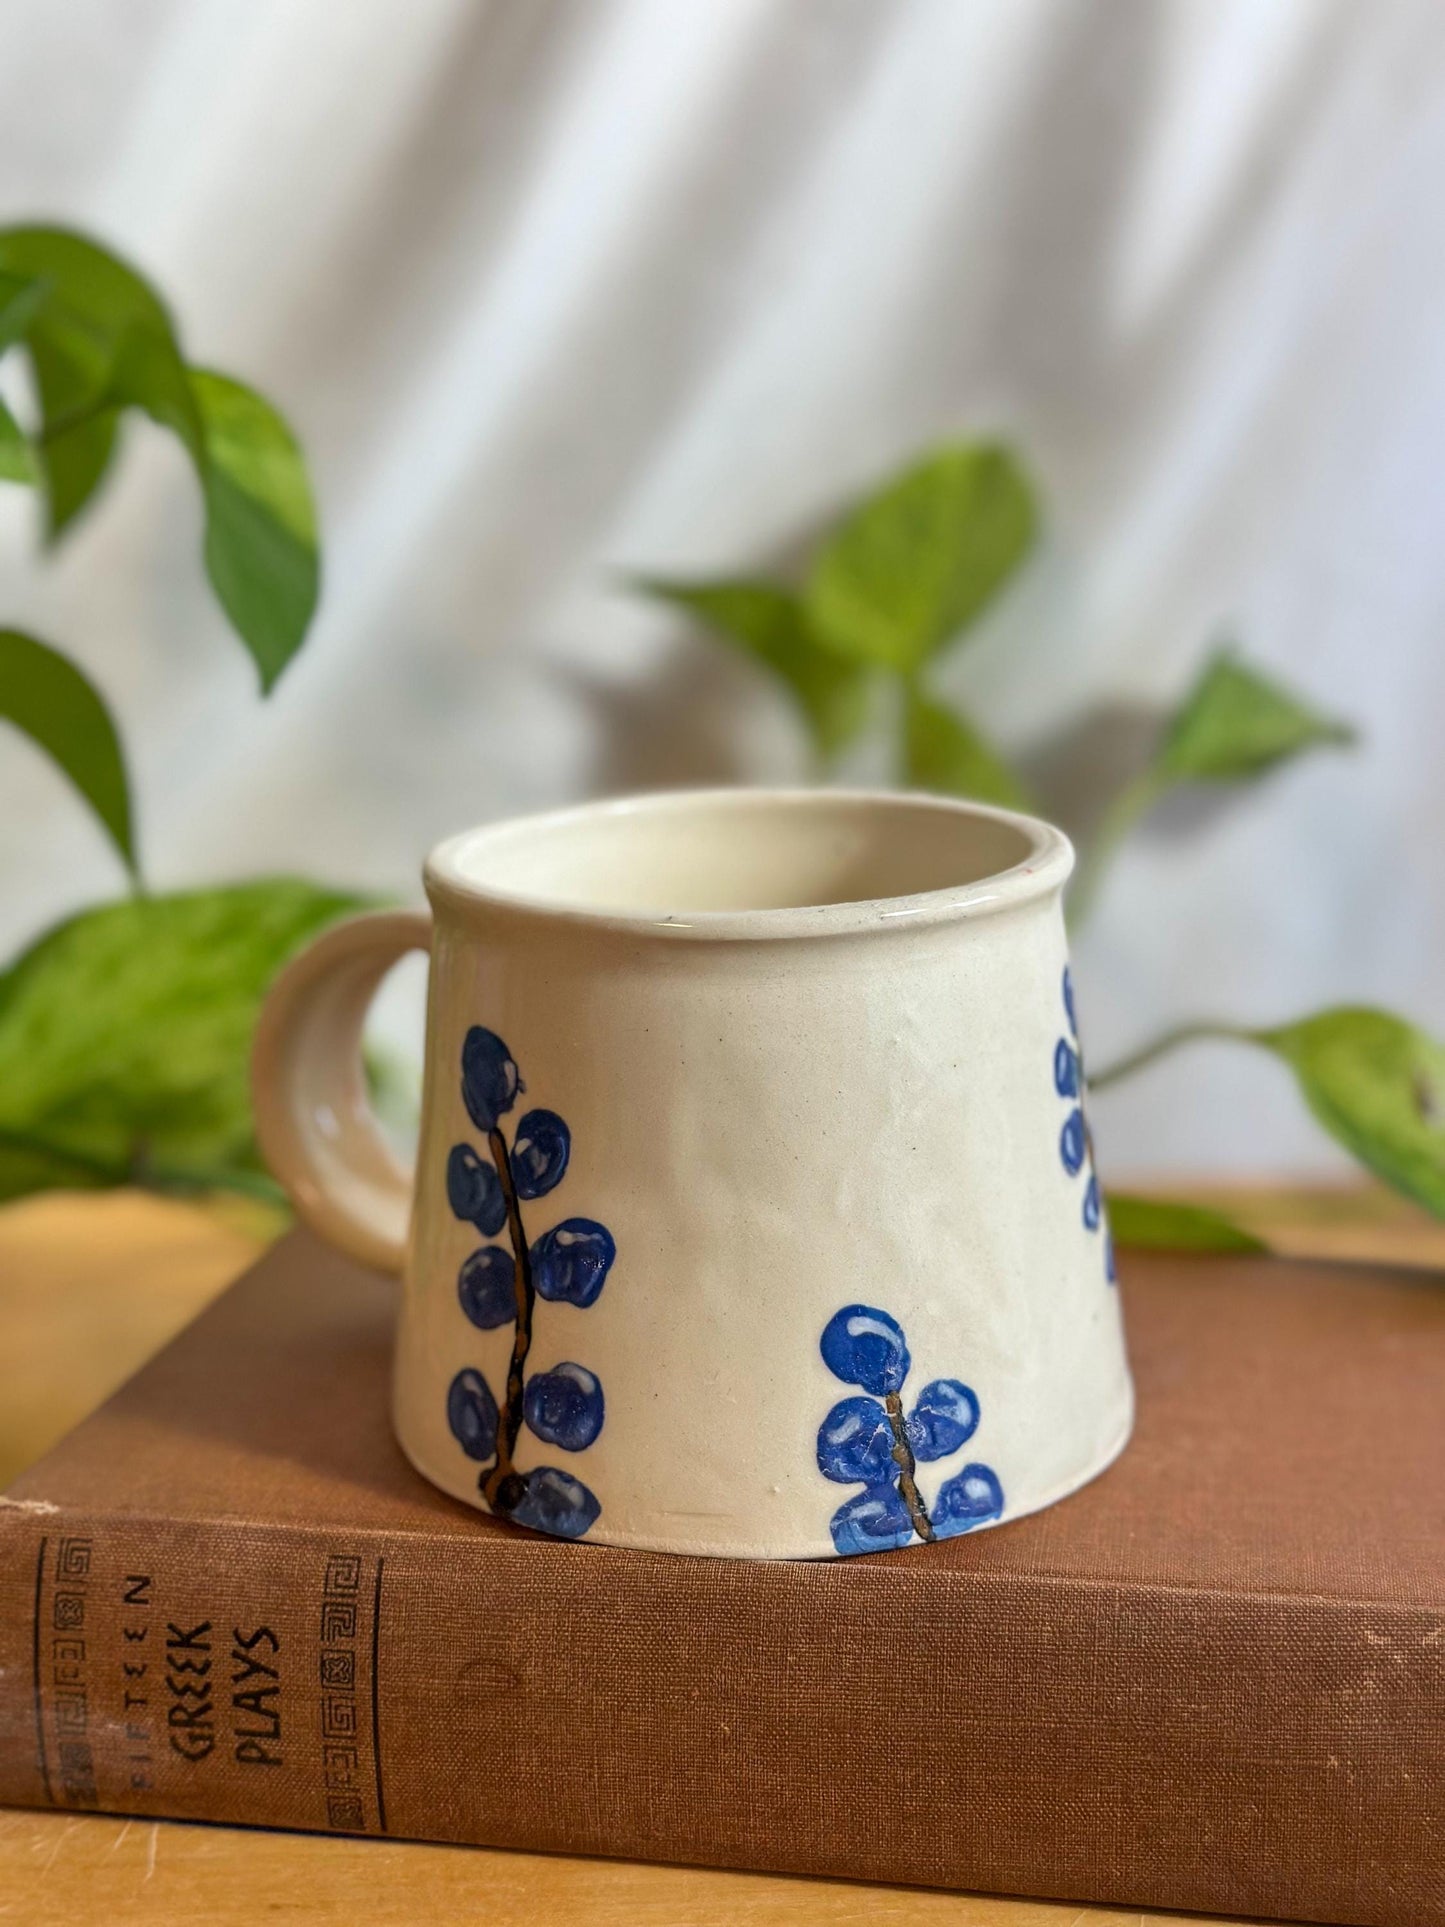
[(509, 1424), (903, 1459)]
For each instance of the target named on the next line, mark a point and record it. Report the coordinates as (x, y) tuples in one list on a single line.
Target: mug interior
[(704, 853)]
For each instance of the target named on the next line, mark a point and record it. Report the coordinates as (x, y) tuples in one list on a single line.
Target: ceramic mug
[(754, 1209)]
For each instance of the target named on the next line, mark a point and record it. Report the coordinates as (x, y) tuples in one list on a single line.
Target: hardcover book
[(1213, 1679)]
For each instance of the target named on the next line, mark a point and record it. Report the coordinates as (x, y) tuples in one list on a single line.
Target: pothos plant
[(124, 1031), (895, 585)]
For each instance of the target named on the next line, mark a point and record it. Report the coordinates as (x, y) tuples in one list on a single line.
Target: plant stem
[(1170, 1040), (1135, 800), (903, 1459), (499, 1483)]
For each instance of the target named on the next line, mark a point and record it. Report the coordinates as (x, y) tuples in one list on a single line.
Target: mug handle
[(314, 1121)]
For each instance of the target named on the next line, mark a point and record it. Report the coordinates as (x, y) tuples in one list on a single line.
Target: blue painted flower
[(472, 1414), (474, 1191), (564, 1406), (945, 1417), (1076, 1142), (490, 1079), (870, 1441), (855, 1443), (498, 1286), (487, 1287), (967, 1499), (540, 1151), (866, 1347), (875, 1520), (571, 1261), (555, 1502)]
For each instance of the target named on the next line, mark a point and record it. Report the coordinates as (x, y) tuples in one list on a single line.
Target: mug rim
[(1043, 870)]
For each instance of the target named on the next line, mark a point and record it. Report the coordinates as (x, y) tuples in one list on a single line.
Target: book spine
[(223, 1672), (1150, 1749)]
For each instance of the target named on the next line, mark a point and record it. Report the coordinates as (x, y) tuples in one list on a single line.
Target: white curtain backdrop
[(552, 289)]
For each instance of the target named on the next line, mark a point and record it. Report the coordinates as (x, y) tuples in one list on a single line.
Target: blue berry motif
[(571, 1261), (541, 1146), (500, 1285), (487, 1287), (474, 1191), (564, 1406), (1076, 1141), (472, 1414), (870, 1441)]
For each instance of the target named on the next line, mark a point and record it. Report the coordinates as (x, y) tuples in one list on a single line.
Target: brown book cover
[(1214, 1679)]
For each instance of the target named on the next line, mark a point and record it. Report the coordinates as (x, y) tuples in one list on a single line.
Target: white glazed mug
[(754, 1209)]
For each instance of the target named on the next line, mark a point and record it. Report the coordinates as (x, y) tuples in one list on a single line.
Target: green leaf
[(923, 556), (1161, 1224), (943, 751), (100, 338), (1235, 724), (125, 1035), (58, 708), (100, 294), (1377, 1085), (1375, 1082), (20, 297), (149, 374), (768, 624), (74, 458), (17, 463), (261, 547)]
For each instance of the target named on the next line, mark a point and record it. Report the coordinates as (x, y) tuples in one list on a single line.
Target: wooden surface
[(116, 1872), (89, 1287)]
